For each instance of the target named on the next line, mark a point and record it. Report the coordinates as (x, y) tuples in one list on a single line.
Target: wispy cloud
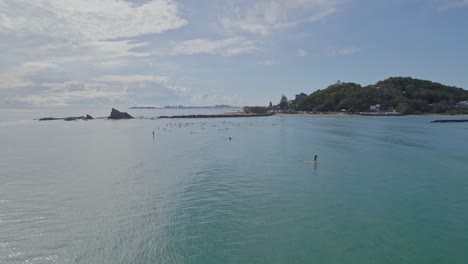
[(105, 90), (70, 93), (266, 16), (44, 35), (329, 52), (131, 78), (338, 51), (225, 47), (446, 5), (301, 53), (17, 77), (77, 21), (211, 99), (269, 62)]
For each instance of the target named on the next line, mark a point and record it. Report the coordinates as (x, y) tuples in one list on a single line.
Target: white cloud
[(82, 29), (102, 33), (103, 90), (266, 16), (225, 47), (76, 21)]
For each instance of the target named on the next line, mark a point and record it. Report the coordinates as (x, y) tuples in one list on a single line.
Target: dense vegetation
[(255, 110), (405, 95)]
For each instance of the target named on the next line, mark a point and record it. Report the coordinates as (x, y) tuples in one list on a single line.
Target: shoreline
[(225, 115), (335, 114)]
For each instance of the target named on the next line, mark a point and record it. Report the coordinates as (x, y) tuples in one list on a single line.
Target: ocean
[(385, 190)]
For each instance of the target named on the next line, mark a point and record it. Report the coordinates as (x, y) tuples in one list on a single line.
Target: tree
[(406, 95), (283, 102), (271, 105), (255, 110)]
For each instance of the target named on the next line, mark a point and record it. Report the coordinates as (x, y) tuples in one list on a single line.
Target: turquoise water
[(386, 190)]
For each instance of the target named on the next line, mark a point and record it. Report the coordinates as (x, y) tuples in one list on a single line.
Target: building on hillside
[(375, 108), (300, 96), (462, 104)]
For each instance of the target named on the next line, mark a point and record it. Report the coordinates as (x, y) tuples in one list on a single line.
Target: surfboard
[(311, 161)]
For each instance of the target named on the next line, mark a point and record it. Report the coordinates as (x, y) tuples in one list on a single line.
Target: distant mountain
[(403, 94)]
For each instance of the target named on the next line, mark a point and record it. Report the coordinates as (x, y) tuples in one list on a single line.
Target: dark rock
[(71, 118), (450, 121), (49, 119), (116, 114)]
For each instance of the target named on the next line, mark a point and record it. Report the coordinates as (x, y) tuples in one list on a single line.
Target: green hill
[(403, 94)]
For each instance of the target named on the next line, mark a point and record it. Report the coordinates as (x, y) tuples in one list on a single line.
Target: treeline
[(405, 95)]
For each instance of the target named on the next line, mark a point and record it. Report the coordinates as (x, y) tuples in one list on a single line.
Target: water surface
[(386, 190)]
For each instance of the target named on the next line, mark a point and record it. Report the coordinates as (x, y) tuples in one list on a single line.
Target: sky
[(91, 53)]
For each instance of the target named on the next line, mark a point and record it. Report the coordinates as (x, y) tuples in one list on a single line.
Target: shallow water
[(386, 190)]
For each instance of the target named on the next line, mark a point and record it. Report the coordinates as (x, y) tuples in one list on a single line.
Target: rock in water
[(71, 118), (48, 119), (116, 114)]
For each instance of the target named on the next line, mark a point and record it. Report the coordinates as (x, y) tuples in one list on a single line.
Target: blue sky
[(165, 52)]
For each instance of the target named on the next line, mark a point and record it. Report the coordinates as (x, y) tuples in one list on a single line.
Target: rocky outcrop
[(450, 121), (71, 118), (49, 119), (116, 114)]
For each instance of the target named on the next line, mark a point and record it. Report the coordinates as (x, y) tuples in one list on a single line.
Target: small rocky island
[(115, 114), (71, 118)]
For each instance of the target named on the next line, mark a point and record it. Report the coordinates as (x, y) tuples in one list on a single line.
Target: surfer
[(315, 158)]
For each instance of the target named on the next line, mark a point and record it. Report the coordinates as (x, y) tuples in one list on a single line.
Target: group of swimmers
[(315, 157)]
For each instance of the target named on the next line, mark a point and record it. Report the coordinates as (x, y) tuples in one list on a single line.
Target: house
[(300, 96), (462, 104), (375, 108)]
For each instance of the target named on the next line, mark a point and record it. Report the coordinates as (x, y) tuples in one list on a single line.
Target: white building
[(375, 108), (463, 104)]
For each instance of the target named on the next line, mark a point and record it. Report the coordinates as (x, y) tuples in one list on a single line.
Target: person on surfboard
[(315, 158)]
